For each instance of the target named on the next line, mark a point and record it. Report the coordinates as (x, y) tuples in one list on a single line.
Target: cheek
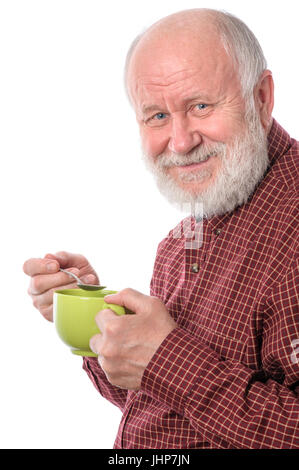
[(220, 128), (154, 142)]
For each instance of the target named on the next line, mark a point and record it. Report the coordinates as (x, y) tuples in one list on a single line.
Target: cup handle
[(118, 309)]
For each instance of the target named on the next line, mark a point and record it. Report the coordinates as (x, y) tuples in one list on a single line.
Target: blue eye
[(157, 120), (201, 106), (160, 116)]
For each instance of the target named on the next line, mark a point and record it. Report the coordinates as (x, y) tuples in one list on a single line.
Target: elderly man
[(210, 360)]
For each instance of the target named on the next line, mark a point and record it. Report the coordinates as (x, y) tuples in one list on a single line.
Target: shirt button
[(217, 232), (195, 268)]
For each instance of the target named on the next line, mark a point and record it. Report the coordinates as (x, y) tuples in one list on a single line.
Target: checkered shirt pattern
[(228, 376)]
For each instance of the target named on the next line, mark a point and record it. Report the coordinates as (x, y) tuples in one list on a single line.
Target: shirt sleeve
[(115, 395), (227, 400)]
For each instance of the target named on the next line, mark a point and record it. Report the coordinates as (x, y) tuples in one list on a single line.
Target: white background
[(72, 179)]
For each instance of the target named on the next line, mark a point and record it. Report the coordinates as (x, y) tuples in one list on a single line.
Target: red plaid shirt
[(228, 376)]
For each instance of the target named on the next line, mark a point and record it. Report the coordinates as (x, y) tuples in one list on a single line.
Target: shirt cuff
[(175, 368)]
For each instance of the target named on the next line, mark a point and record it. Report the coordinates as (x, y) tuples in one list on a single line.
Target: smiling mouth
[(195, 164)]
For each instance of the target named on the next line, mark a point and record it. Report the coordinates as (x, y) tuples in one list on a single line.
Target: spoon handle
[(71, 274)]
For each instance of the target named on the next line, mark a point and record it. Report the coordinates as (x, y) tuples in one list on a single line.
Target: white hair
[(239, 42)]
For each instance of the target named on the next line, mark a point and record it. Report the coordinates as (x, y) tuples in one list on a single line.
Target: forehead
[(180, 65)]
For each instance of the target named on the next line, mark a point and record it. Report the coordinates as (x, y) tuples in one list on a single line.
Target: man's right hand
[(46, 277)]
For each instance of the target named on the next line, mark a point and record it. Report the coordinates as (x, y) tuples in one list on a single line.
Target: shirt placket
[(196, 247)]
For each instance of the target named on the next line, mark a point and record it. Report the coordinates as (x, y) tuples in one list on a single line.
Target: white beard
[(243, 165)]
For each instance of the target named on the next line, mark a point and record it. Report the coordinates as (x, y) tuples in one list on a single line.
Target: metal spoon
[(80, 283)]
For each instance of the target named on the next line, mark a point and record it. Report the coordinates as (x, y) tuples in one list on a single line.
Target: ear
[(264, 98)]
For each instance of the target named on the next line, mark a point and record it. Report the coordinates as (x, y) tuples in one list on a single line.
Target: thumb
[(132, 300), (68, 260), (62, 258)]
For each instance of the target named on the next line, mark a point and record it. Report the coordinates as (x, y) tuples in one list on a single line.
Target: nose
[(183, 137)]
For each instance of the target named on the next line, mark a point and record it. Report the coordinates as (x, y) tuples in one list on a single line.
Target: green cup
[(74, 316)]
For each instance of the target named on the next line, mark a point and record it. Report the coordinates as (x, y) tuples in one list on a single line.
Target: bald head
[(213, 30), (191, 29), (195, 21), (184, 21)]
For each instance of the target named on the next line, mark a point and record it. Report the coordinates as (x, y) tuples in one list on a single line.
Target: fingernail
[(51, 267), (88, 279), (109, 297)]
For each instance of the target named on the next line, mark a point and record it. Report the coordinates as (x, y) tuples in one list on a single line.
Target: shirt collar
[(279, 142)]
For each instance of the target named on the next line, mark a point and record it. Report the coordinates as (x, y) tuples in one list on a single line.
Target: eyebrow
[(198, 97), (146, 109)]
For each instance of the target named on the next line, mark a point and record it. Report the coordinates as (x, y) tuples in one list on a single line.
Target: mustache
[(197, 155)]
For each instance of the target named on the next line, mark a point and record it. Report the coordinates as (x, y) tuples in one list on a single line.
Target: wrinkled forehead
[(168, 61)]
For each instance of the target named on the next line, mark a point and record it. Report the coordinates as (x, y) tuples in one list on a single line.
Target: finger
[(95, 343), (68, 260), (89, 279), (45, 300), (35, 266), (129, 298), (103, 317), (42, 283), (47, 312)]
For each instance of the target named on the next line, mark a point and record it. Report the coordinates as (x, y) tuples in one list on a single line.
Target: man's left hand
[(127, 343)]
